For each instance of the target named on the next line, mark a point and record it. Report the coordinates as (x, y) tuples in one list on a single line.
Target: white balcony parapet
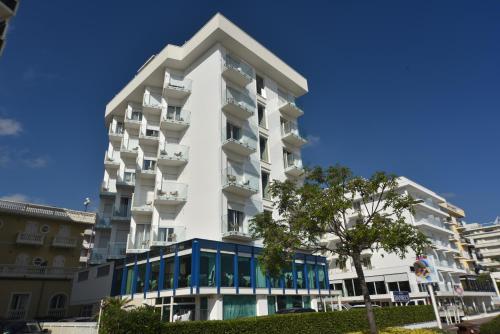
[(173, 155), (171, 193), (111, 160), (178, 235), (137, 247), (434, 224), (175, 119), (293, 167), (129, 152), (30, 238), (176, 87), (64, 242), (236, 230), (152, 101), (239, 182), (15, 270), (238, 104), (237, 71), (290, 134), (47, 212), (287, 106), (242, 141)]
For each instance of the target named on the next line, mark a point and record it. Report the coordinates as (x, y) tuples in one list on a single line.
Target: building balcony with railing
[(176, 87), (237, 71), (173, 155), (116, 131), (137, 245), (148, 168), (166, 236), (288, 107), (30, 238), (434, 224), (149, 136), (290, 134), (293, 166), (129, 150), (176, 119), (235, 226), (238, 104), (127, 179), (171, 193), (121, 213), (64, 242), (152, 102), (98, 255), (111, 160), (16, 270), (133, 117), (242, 141), (239, 182), (108, 188)]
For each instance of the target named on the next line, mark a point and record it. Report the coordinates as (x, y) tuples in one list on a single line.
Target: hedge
[(491, 327), (306, 323)]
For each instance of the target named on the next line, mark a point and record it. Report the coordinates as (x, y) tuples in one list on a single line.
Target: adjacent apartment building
[(8, 9), (194, 140), (449, 254), (39, 253)]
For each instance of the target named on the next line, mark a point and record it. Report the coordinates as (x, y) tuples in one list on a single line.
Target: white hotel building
[(194, 139), (387, 272)]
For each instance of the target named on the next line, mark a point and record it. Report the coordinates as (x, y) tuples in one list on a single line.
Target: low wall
[(71, 327)]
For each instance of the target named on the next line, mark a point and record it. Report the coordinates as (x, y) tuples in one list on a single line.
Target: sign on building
[(424, 271), (400, 296)]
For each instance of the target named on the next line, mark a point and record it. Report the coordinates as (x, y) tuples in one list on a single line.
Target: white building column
[(215, 310), (261, 305)]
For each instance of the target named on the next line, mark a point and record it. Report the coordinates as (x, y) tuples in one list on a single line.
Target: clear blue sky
[(410, 87)]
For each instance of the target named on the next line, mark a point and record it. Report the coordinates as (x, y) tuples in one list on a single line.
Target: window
[(58, 301), (227, 270), (264, 154), (299, 268), (152, 133), (166, 234), (119, 128), (288, 158), (260, 277), (207, 269), (265, 185), (380, 286), (18, 305), (168, 275), (149, 165), (136, 116), (261, 114), (260, 86), (83, 276), (141, 278), (234, 220), (238, 306), (124, 202), (203, 308), (244, 271), (184, 271), (45, 229), (233, 132), (129, 177), (154, 276), (174, 113), (366, 262), (102, 271)]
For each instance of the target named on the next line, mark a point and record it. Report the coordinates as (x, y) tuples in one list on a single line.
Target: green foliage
[(308, 323), (119, 318), (399, 330), (491, 327)]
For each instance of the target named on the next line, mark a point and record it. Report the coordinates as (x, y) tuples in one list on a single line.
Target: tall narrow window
[(233, 132), (288, 158), (265, 185), (119, 128), (166, 234), (264, 155), (136, 116), (124, 206), (149, 165), (234, 220), (260, 86), (261, 113), (174, 113)]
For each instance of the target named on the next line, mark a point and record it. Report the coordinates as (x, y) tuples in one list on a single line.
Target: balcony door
[(141, 236), (235, 220), (18, 306), (124, 206)]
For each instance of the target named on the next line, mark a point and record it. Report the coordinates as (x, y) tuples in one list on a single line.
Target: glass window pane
[(141, 278), (207, 269), (404, 286), (349, 287), (227, 270), (288, 277), (260, 277), (130, 276), (311, 276), (184, 271), (168, 275), (154, 276), (238, 307), (380, 286), (322, 277), (299, 268), (393, 286), (244, 272), (307, 301), (271, 305)]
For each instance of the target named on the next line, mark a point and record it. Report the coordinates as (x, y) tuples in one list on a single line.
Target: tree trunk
[(356, 258)]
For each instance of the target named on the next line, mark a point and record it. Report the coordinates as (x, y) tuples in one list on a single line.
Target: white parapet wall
[(71, 327)]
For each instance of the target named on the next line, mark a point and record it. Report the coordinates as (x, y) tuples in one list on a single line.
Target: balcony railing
[(15, 270), (137, 246), (287, 105), (293, 167), (56, 312), (290, 134), (152, 100), (239, 182), (176, 87), (233, 229), (176, 120), (173, 155), (30, 238), (238, 104), (16, 315), (111, 159), (433, 222), (242, 141), (47, 211), (178, 235), (237, 71), (171, 193), (64, 242)]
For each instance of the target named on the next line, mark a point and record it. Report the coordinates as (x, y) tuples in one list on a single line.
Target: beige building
[(8, 9), (40, 249)]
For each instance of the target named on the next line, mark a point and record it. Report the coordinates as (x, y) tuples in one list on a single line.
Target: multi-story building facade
[(40, 250), (194, 140), (8, 9), (387, 272)]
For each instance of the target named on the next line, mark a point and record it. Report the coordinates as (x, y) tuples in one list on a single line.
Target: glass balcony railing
[(172, 192), (432, 221), (237, 71), (239, 181), (168, 235), (290, 133), (288, 106), (176, 118), (293, 166), (240, 140), (238, 104), (235, 228), (173, 154), (177, 86), (152, 98)]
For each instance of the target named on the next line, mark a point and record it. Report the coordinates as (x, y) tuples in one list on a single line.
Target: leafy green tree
[(358, 214)]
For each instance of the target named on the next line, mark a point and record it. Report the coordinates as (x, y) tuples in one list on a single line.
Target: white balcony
[(434, 225), (175, 119), (30, 238), (294, 168), (149, 137), (133, 119), (108, 189), (237, 71), (115, 133), (144, 209), (173, 155), (176, 87), (235, 230), (166, 239), (117, 250), (290, 109), (238, 104), (290, 134), (152, 102), (111, 160), (121, 215), (239, 141), (126, 180), (239, 183), (137, 246), (171, 193), (64, 242), (15, 270), (148, 169)]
